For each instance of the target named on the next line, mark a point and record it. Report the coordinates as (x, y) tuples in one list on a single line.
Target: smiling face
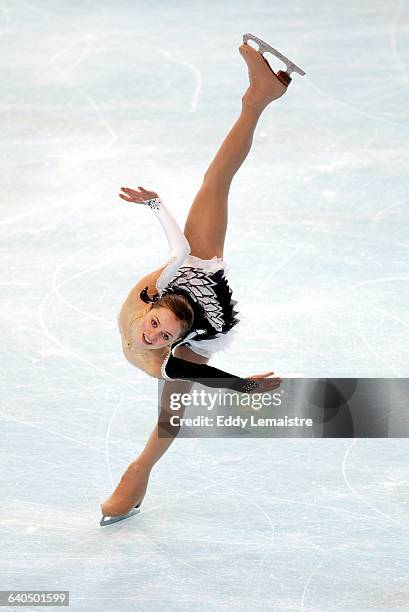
[(157, 328)]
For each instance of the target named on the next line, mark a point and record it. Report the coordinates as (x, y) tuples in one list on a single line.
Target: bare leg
[(206, 224), (157, 446), (131, 489)]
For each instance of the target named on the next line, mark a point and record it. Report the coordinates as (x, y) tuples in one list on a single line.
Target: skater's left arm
[(176, 368)]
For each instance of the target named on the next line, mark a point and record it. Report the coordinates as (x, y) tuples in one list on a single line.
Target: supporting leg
[(133, 485), (157, 446)]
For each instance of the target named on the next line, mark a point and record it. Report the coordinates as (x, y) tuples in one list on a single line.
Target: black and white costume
[(203, 283)]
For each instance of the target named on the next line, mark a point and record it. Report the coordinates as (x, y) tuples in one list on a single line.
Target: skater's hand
[(266, 382), (137, 195)]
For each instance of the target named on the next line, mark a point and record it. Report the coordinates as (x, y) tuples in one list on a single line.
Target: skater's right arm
[(178, 244)]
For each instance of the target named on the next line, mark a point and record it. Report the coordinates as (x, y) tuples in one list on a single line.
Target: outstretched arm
[(178, 244), (176, 368)]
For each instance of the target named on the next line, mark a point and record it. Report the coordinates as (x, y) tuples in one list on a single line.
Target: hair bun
[(145, 297)]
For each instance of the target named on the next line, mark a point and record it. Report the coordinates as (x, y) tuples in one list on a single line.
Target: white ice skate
[(263, 46), (109, 520)]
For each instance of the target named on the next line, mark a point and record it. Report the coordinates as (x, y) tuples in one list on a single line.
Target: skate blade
[(110, 520), (263, 46)]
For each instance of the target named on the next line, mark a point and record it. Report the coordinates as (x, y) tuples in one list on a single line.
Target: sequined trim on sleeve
[(163, 366), (154, 203), (248, 385)]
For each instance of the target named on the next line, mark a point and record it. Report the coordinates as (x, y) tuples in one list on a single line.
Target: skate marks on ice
[(393, 486)]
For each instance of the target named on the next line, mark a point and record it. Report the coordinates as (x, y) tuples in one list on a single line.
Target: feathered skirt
[(213, 341)]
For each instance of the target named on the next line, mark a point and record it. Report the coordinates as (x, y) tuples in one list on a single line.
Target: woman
[(177, 316)]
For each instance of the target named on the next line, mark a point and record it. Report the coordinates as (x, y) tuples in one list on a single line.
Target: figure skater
[(175, 318)]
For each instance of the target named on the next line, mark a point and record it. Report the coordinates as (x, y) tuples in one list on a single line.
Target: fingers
[(130, 191), (133, 195), (272, 383), (139, 190)]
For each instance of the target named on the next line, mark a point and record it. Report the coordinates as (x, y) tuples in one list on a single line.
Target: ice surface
[(97, 95)]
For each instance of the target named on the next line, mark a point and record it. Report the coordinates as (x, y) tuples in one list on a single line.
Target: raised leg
[(206, 224)]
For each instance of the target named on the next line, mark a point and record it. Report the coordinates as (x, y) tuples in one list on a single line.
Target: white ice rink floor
[(96, 95)]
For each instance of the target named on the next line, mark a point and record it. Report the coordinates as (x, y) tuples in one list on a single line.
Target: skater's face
[(159, 326)]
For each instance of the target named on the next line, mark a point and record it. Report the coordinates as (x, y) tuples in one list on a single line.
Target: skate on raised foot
[(263, 46), (109, 520)]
